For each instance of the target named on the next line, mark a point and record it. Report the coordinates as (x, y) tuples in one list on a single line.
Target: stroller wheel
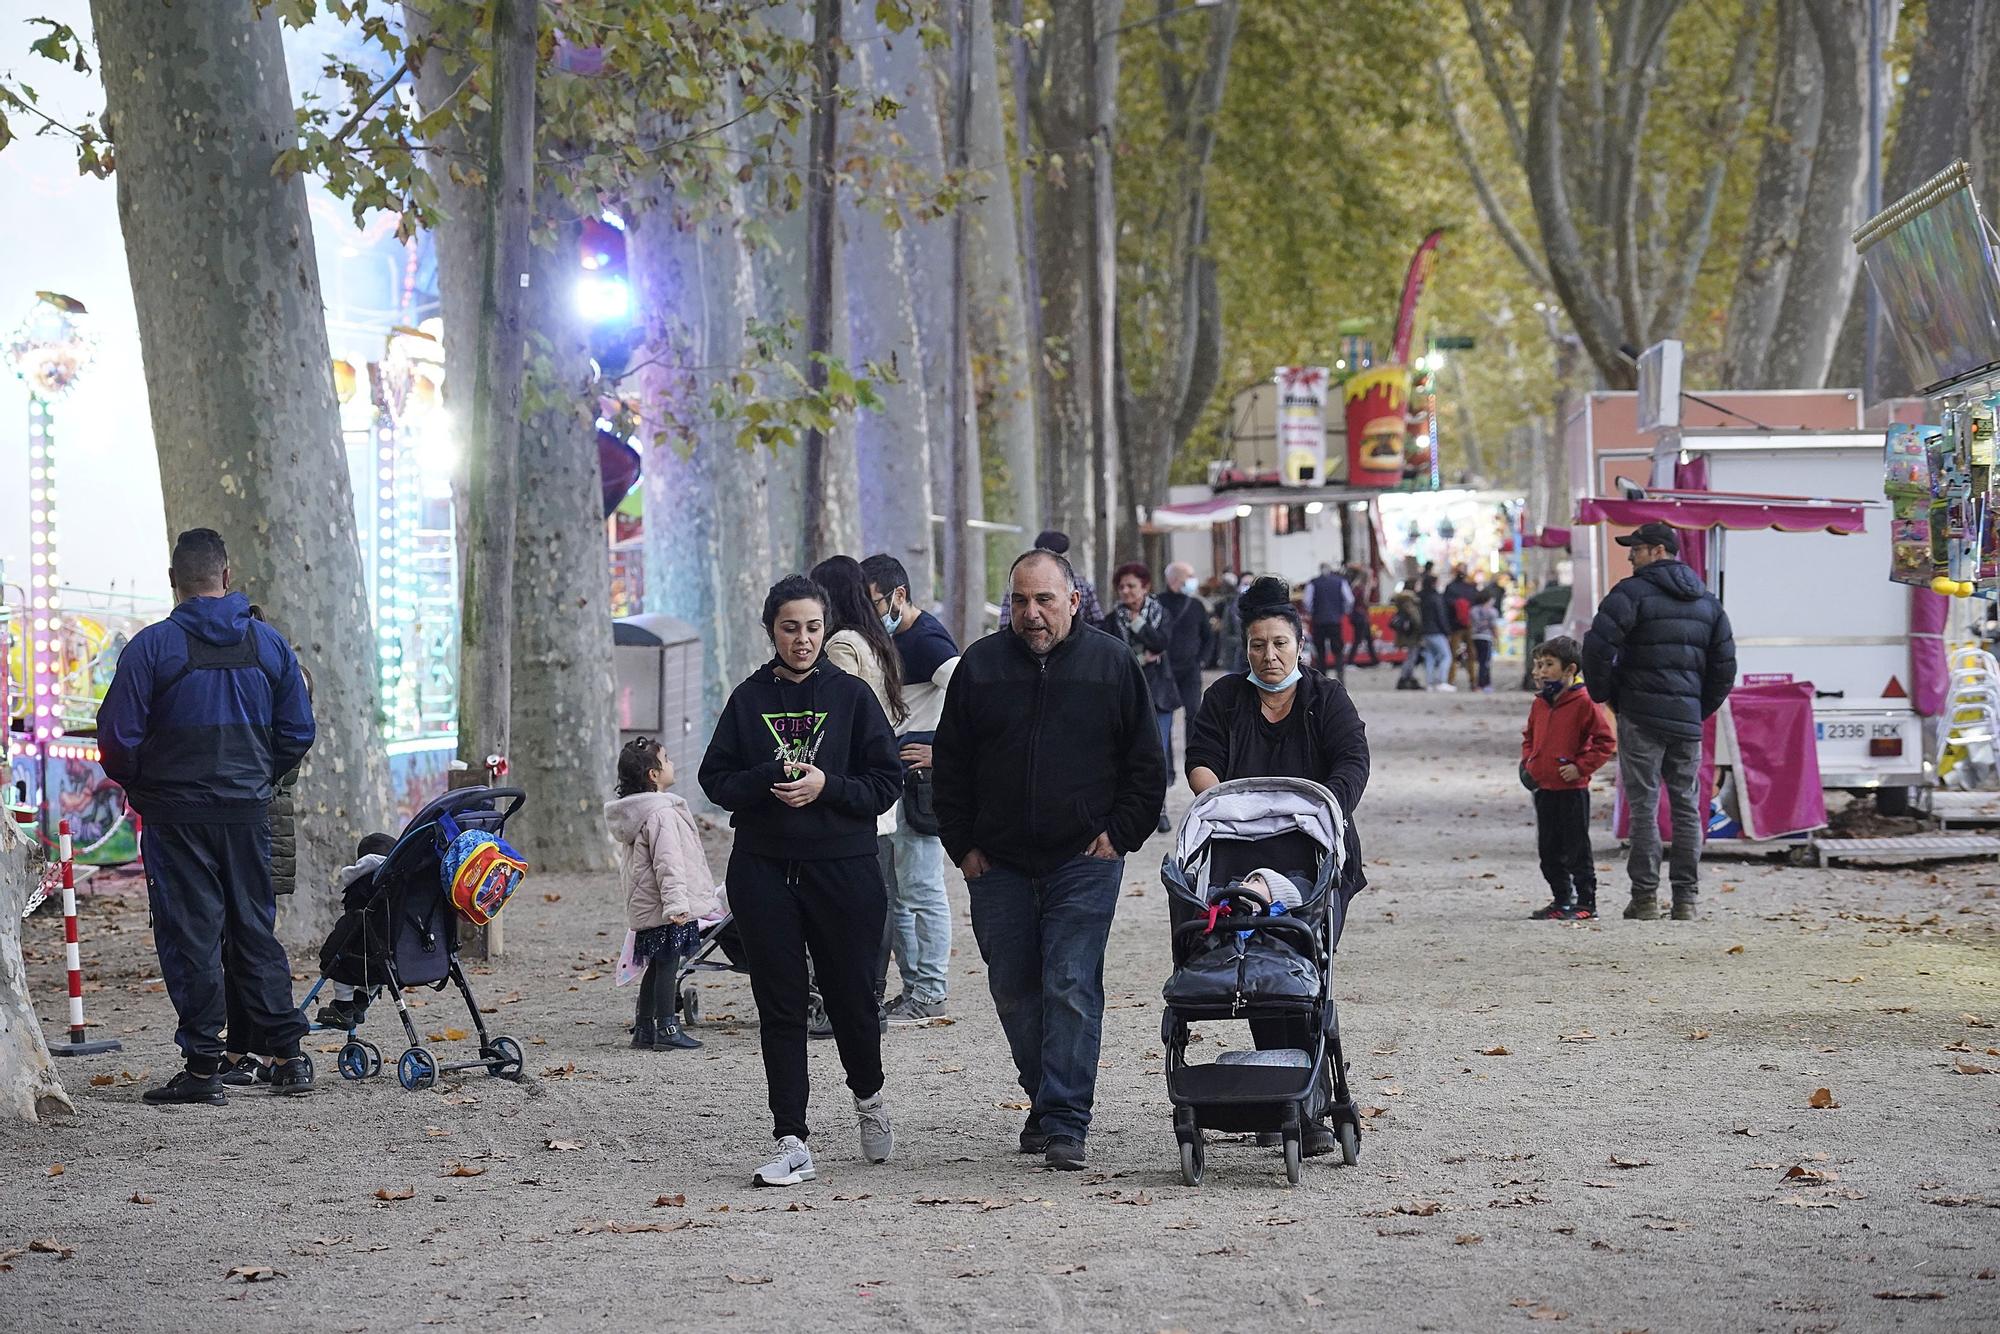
[(353, 1060), (1293, 1158), (1350, 1144), (1193, 1154), (374, 1054), (503, 1057), (417, 1069), (690, 1005)]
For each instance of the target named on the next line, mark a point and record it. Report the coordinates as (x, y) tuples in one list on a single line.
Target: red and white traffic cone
[(78, 1044)]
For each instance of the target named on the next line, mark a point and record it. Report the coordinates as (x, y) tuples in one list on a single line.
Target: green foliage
[(60, 45)]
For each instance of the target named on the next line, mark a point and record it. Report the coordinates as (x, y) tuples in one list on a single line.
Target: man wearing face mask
[(919, 911), (1189, 637), (1282, 719)]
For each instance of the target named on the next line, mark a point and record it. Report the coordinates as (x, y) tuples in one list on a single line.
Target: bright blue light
[(603, 300)]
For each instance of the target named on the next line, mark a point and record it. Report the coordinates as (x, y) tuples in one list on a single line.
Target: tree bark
[(29, 1089), (486, 610), (964, 586), (564, 736), (893, 446), (821, 222), (1823, 271), (1065, 235), (238, 374)]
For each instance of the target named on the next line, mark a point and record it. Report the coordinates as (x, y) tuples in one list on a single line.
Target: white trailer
[(1819, 606)]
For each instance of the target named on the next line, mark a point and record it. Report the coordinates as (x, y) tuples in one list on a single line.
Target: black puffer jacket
[(1660, 651)]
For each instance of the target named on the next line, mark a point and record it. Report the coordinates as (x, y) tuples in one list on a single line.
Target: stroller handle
[(464, 798)]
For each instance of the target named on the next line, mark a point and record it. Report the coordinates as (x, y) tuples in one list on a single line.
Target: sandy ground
[(1627, 1164)]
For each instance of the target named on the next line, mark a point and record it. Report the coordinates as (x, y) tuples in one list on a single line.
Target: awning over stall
[(1787, 514)]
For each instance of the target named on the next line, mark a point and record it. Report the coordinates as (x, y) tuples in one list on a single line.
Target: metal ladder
[(1968, 744)]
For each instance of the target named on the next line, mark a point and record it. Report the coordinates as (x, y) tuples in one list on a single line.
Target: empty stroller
[(1240, 954), (406, 935)]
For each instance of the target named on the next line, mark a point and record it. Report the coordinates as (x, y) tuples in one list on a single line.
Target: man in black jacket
[(1661, 655), (1049, 771)]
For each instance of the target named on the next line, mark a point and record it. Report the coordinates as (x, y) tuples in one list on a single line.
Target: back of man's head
[(200, 562)]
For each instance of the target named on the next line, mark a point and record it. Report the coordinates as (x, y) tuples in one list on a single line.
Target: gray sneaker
[(878, 1138), (792, 1165), (906, 1011)]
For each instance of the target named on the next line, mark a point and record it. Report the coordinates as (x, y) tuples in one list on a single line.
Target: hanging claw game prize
[(1907, 484)]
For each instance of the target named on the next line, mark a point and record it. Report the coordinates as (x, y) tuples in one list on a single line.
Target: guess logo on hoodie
[(798, 734)]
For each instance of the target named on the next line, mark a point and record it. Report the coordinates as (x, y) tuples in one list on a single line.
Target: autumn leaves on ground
[(1779, 1117)]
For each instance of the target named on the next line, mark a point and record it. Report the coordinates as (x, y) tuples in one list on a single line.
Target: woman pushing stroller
[(1282, 719), (804, 761)]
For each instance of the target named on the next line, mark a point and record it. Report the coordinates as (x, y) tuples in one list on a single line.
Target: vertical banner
[(1302, 424), (1376, 425)]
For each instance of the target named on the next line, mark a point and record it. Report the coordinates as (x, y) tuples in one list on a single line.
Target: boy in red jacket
[(1567, 739)]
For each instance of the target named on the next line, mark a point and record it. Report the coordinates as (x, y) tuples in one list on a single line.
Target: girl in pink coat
[(668, 886)]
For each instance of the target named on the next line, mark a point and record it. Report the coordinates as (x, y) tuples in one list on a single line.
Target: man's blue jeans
[(920, 915), (1043, 942), (1436, 653)]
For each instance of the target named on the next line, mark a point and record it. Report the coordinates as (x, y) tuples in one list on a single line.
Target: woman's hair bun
[(1265, 594)]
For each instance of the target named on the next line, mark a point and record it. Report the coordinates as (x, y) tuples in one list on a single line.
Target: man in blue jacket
[(1661, 654), (208, 710)]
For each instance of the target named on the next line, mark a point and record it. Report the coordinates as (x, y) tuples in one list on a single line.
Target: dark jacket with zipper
[(1037, 756), (1220, 732), (207, 711), (832, 721), (1660, 650)]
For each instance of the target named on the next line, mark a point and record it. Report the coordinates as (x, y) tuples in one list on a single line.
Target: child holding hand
[(667, 886), (1567, 739)]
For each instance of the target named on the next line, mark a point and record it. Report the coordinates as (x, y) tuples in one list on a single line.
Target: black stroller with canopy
[(1239, 954), (405, 935)]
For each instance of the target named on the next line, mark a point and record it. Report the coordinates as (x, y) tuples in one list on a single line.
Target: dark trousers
[(1364, 633), (1562, 836), (1482, 659), (1042, 938), (209, 886), (834, 908), (885, 857), (1327, 654)]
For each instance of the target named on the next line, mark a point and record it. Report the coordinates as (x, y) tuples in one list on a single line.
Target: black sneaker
[(1553, 912), (1065, 1153), (1320, 1140), (240, 1073), (1033, 1138), (291, 1077), (188, 1087), (347, 1014)]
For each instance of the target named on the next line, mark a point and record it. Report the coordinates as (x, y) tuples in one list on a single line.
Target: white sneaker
[(878, 1138), (1445, 685), (792, 1165)]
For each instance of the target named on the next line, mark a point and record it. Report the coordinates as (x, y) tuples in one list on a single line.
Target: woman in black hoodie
[(804, 761)]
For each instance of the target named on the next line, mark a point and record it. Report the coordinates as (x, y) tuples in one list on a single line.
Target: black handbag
[(920, 801)]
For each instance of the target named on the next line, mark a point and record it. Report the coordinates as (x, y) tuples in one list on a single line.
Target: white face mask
[(1190, 585)]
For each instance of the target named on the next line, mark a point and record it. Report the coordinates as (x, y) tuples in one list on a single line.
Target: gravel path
[(1643, 1156)]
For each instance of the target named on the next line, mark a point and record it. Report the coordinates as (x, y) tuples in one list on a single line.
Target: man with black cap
[(1089, 612), (1661, 655)]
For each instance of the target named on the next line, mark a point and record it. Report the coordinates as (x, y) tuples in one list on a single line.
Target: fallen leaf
[(1667, 1225), (1013, 1106), (621, 1226), (50, 1246), (1821, 1100), (800, 1207), (1581, 1035), (1964, 1201), (101, 1081), (1734, 949), (55, 1169), (564, 1071), (551, 898), (1467, 1239), (671, 1202), (384, 1193), (1629, 1163), (1811, 1176), (255, 1273), (1369, 1113), (1419, 1208), (1963, 1068), (136, 1198), (1751, 1131), (1697, 1035), (1601, 1185), (1494, 1051), (748, 1280), (461, 1170), (564, 1145)]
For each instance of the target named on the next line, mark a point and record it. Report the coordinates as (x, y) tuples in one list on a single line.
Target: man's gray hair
[(1060, 561)]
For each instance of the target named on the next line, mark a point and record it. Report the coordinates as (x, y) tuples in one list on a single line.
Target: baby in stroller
[(349, 1006), (1256, 943)]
